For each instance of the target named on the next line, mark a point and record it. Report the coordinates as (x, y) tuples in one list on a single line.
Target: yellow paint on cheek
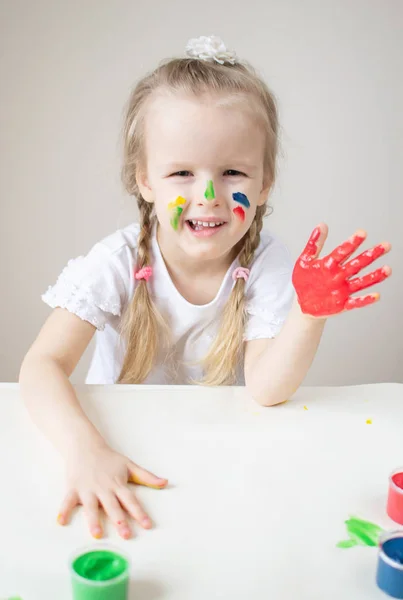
[(178, 202)]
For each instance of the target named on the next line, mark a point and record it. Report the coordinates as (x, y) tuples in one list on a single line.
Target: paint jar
[(100, 573), (395, 496), (389, 576)]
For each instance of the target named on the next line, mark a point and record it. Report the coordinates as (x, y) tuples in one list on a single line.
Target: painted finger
[(69, 503), (116, 514), (315, 242), (363, 260), (345, 250), (361, 283), (91, 510), (142, 477), (361, 301), (133, 506)]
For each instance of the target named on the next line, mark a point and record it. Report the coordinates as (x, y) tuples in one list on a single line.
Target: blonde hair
[(143, 327)]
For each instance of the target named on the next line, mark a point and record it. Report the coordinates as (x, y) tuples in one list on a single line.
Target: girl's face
[(204, 172)]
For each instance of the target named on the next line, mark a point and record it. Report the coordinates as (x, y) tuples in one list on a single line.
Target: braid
[(252, 239), (147, 220), (142, 323), (223, 358)]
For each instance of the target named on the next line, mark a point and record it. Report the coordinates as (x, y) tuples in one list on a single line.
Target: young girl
[(197, 292)]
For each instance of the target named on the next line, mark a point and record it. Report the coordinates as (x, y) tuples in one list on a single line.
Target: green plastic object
[(100, 574)]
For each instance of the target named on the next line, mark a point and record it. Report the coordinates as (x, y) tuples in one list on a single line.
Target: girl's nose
[(209, 195)]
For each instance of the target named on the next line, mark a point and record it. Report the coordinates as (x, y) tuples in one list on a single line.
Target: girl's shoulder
[(96, 286), (118, 249), (271, 253), (121, 240)]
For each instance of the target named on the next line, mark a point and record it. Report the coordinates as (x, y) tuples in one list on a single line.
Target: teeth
[(205, 224)]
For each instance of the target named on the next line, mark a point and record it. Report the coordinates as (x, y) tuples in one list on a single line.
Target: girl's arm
[(274, 369), (45, 387), (95, 473)]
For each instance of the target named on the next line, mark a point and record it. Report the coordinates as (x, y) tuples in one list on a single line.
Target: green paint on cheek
[(176, 215), (209, 193), (361, 533)]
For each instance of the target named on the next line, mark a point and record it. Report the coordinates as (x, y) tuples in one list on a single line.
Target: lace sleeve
[(89, 286)]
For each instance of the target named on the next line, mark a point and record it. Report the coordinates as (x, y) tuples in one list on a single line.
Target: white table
[(257, 497)]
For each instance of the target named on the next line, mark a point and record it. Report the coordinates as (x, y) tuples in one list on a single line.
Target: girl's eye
[(230, 172), (181, 174), (234, 173)]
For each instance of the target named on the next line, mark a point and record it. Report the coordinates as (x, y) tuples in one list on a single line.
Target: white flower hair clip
[(210, 48)]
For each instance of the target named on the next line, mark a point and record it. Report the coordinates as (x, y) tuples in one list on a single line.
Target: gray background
[(66, 69)]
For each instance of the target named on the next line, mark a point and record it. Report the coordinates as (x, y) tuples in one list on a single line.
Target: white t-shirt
[(98, 287)]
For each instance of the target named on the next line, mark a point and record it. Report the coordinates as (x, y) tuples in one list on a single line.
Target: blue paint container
[(389, 576)]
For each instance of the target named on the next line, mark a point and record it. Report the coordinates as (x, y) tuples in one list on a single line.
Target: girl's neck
[(178, 262)]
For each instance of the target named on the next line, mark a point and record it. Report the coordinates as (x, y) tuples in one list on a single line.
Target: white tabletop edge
[(125, 387)]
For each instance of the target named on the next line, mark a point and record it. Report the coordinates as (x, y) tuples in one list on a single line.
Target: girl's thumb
[(143, 477)]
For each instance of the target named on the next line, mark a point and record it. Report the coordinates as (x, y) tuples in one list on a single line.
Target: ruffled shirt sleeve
[(92, 287), (269, 291)]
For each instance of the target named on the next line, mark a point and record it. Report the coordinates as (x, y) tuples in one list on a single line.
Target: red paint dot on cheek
[(398, 480), (239, 212)]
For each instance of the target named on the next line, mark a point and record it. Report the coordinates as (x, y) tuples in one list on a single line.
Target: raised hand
[(324, 285)]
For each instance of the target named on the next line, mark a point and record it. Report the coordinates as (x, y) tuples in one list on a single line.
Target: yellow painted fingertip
[(60, 519), (154, 487), (157, 487), (98, 536), (135, 479)]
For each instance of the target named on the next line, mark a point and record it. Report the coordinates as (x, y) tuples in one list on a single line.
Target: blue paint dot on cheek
[(241, 199)]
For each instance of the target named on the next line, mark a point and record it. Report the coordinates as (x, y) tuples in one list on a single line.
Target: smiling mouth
[(200, 225)]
